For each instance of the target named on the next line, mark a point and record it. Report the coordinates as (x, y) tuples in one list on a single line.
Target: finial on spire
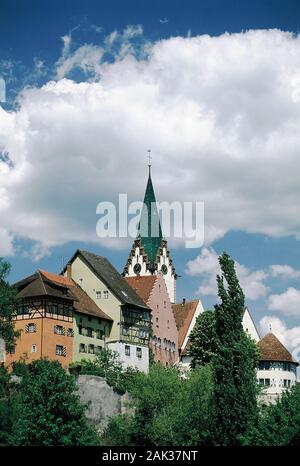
[(270, 327), (149, 159)]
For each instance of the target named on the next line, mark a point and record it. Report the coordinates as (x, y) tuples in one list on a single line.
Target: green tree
[(168, 410), (106, 364), (279, 423), (49, 411), (8, 396), (235, 362), (203, 339), (8, 304)]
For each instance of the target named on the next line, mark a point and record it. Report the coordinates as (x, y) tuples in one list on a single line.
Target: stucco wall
[(163, 323), (86, 321), (90, 283), (142, 364)]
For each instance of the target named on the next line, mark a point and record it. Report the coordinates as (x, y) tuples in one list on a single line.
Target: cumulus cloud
[(285, 272), (289, 337), (206, 266), (221, 115), (287, 302)]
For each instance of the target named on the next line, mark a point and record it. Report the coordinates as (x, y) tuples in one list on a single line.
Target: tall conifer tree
[(235, 362)]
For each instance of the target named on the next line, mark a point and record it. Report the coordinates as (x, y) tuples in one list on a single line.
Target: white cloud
[(206, 266), (288, 302), (285, 272), (6, 243), (217, 112), (289, 337)]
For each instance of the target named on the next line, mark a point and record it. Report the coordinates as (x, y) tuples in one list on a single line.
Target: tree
[(8, 304), (279, 423), (49, 412), (235, 362), (168, 410), (107, 364), (203, 339)]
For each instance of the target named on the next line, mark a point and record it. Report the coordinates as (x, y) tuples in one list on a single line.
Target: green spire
[(149, 230)]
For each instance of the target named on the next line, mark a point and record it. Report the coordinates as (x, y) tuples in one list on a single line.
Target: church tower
[(149, 254)]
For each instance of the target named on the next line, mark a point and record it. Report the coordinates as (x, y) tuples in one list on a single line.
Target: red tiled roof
[(271, 349), (142, 285), (57, 278), (184, 313), (82, 301)]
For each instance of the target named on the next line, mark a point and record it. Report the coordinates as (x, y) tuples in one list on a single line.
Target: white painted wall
[(169, 278), (249, 326), (142, 364), (277, 375)]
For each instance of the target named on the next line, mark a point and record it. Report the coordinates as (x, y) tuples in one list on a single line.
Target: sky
[(212, 87)]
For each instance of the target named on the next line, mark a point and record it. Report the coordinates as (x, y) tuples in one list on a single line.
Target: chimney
[(69, 270), (183, 301)]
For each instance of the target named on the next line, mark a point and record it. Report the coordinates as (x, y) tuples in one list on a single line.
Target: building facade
[(277, 369), (164, 338), (49, 306), (129, 332)]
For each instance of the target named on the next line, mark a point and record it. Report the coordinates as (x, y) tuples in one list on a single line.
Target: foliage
[(203, 339), (235, 362), (168, 410), (279, 424), (48, 410), (8, 393), (8, 304), (107, 364)]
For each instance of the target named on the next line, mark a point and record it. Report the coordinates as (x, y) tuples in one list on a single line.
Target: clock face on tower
[(137, 268), (164, 269)]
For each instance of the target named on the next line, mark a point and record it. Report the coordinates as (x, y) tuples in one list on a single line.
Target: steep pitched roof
[(142, 285), (184, 313), (271, 349), (44, 283), (38, 285), (149, 229), (111, 277), (82, 301)]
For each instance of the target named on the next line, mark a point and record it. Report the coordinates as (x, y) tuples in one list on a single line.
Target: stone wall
[(103, 401)]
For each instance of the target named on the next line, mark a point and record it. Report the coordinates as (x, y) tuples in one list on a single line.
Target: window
[(89, 332), (105, 294), (139, 352), (286, 366), (264, 365), (265, 382), (286, 383), (80, 329), (30, 328), (125, 330), (82, 348), (98, 349), (90, 319), (60, 350), (98, 294), (127, 350), (54, 309), (91, 349), (34, 349), (70, 332), (59, 330), (146, 315), (99, 334)]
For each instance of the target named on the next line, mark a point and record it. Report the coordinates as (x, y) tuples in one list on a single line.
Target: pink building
[(164, 342)]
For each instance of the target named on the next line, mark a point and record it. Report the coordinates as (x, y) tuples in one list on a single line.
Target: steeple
[(149, 254), (149, 229)]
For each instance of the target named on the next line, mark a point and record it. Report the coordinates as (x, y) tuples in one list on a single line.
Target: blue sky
[(216, 141)]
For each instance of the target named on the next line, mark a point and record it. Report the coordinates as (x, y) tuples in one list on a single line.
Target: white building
[(277, 369)]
